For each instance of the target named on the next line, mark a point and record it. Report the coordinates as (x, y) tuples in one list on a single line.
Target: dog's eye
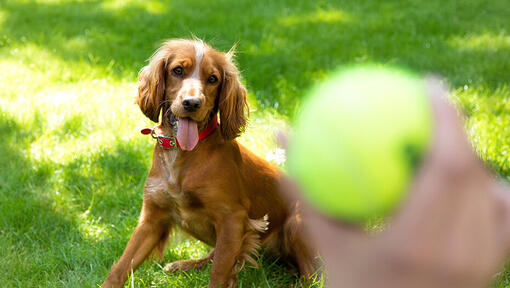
[(178, 71), (212, 79)]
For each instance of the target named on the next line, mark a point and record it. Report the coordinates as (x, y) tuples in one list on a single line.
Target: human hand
[(453, 230)]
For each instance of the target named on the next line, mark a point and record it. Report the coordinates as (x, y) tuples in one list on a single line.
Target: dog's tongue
[(187, 134)]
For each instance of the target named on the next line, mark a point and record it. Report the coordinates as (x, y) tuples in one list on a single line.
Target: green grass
[(72, 163)]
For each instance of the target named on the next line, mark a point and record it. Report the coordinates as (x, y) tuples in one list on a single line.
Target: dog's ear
[(232, 102), (151, 84)]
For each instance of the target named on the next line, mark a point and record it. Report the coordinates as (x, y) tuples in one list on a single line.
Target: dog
[(201, 179)]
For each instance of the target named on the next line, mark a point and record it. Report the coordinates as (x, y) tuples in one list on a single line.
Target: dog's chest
[(163, 188), (186, 205), (171, 170)]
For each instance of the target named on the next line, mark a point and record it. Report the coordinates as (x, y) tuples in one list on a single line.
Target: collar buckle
[(165, 142)]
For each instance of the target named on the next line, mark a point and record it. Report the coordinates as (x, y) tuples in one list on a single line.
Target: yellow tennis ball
[(358, 140)]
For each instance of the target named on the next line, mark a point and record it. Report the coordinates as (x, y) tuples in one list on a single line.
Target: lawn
[(73, 164)]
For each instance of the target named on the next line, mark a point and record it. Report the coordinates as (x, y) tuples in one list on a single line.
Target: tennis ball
[(358, 140)]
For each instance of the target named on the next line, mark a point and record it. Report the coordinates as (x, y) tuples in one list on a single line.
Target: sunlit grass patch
[(261, 135), (488, 41), (320, 15), (488, 123), (153, 6)]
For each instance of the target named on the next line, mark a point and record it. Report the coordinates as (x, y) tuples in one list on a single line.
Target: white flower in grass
[(276, 156)]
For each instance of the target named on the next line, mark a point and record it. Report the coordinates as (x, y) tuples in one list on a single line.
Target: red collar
[(170, 142)]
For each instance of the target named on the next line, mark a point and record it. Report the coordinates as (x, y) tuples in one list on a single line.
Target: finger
[(450, 143)]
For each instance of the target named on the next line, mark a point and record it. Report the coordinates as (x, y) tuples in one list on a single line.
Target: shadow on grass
[(284, 46), (34, 236), (50, 232)]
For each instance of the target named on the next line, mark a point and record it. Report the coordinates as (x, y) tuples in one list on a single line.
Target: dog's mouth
[(173, 121), (186, 130)]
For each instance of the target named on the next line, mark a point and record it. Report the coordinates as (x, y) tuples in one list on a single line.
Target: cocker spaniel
[(201, 179)]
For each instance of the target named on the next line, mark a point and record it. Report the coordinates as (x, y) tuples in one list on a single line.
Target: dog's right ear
[(151, 84)]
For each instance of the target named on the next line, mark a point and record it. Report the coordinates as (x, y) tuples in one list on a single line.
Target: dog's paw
[(186, 265), (173, 267)]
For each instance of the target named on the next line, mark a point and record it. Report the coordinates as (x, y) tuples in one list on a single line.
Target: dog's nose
[(191, 104)]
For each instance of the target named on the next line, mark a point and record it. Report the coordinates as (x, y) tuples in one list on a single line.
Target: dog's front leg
[(152, 230), (229, 231)]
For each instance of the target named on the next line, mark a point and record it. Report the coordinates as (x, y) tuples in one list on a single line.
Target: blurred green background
[(73, 164)]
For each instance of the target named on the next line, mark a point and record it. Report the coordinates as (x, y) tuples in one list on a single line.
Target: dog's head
[(190, 82)]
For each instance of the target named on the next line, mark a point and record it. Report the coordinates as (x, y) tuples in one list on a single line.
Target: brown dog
[(212, 188)]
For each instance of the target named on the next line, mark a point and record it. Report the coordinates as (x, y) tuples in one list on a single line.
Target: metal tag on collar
[(167, 142)]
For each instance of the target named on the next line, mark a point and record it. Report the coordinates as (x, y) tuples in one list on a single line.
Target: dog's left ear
[(232, 102)]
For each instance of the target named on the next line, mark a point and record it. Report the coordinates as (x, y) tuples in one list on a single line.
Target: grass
[(72, 163)]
